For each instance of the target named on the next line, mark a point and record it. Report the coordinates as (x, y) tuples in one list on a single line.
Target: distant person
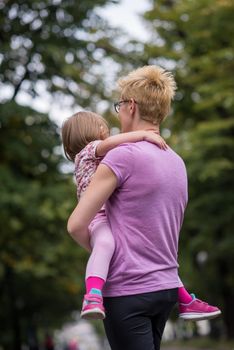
[(32, 338), (86, 141), (145, 191), (48, 343), (73, 345)]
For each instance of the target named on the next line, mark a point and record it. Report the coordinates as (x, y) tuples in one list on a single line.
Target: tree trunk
[(228, 312), (228, 297), (16, 344)]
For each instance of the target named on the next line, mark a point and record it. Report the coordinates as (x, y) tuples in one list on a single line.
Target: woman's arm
[(102, 185), (113, 141)]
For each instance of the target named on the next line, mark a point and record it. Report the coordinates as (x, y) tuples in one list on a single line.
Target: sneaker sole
[(199, 316), (93, 314)]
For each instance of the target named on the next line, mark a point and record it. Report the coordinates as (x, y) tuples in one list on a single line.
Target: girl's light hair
[(79, 130), (153, 88)]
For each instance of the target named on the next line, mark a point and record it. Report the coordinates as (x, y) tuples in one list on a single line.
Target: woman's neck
[(145, 125)]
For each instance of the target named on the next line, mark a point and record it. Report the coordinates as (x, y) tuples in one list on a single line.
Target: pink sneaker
[(197, 310), (93, 308)]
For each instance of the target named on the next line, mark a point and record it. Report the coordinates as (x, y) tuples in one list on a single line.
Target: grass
[(199, 343)]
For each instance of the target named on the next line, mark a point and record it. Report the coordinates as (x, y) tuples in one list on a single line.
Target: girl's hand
[(153, 137)]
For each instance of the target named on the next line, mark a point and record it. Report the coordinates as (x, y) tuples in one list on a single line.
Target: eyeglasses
[(118, 104)]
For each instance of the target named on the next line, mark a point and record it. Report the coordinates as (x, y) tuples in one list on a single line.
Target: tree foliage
[(39, 264), (56, 48)]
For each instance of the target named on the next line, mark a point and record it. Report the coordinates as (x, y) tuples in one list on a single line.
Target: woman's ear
[(132, 106)]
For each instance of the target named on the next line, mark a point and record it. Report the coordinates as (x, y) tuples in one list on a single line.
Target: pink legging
[(103, 246)]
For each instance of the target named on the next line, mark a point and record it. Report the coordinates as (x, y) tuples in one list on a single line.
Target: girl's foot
[(93, 308), (197, 310)]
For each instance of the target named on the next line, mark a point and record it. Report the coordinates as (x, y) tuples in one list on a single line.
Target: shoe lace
[(198, 300), (93, 298)]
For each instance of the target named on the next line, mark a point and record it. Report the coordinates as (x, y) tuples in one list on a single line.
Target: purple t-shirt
[(145, 213)]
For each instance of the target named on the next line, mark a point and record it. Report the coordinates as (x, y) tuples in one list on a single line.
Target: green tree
[(40, 266), (196, 38), (57, 48)]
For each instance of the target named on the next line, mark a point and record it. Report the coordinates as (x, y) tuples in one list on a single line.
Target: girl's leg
[(94, 282), (193, 309), (183, 295), (103, 245)]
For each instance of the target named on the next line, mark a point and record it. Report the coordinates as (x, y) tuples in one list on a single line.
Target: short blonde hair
[(79, 130), (153, 88)]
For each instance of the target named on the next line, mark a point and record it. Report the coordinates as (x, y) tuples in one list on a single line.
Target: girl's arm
[(142, 135)]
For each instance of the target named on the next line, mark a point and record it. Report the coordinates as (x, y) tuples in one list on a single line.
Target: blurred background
[(58, 57)]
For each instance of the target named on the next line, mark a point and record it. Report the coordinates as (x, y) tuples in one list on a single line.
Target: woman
[(146, 193)]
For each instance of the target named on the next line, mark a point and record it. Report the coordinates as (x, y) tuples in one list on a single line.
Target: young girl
[(86, 141)]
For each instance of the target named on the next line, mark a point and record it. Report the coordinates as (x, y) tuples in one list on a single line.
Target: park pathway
[(177, 348)]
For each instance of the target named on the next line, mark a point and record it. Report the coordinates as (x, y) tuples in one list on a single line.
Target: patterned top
[(86, 163)]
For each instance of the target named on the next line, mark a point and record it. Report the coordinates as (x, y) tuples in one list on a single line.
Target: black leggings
[(136, 322)]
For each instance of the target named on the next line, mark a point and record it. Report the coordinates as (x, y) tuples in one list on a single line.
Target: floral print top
[(86, 163)]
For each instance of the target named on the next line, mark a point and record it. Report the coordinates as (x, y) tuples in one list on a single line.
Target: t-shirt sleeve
[(90, 150), (87, 153), (120, 161)]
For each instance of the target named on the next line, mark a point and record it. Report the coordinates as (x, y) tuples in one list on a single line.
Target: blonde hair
[(79, 130), (153, 88)]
